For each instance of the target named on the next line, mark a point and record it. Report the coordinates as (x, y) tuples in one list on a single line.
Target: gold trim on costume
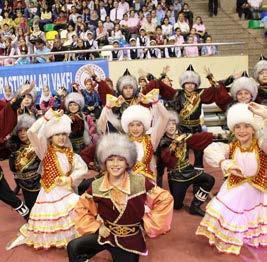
[(52, 168), (143, 167), (123, 230), (259, 181), (192, 102)]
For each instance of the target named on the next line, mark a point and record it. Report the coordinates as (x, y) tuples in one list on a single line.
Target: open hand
[(258, 109), (26, 89), (236, 171)]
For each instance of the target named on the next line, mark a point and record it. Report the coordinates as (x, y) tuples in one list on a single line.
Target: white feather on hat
[(136, 113), (57, 125), (189, 76), (244, 83), (239, 113), (173, 116), (115, 144), (33, 94), (127, 80), (24, 121), (86, 136), (76, 98), (261, 65)]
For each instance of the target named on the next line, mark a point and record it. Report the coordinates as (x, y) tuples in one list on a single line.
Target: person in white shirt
[(172, 51), (116, 54), (102, 11), (116, 13), (152, 52), (149, 25), (183, 25), (142, 39), (123, 5), (134, 54)]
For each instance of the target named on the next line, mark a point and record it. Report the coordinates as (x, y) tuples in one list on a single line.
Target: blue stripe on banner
[(54, 75)]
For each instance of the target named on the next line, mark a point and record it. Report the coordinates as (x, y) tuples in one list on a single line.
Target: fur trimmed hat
[(244, 83), (116, 145), (127, 80), (24, 121), (173, 116), (239, 113), (261, 65), (57, 125), (76, 98), (190, 76), (136, 113)]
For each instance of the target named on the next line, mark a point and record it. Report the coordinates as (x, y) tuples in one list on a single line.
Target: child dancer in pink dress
[(237, 216), (51, 222)]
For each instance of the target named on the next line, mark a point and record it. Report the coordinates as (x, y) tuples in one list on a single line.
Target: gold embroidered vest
[(260, 180), (51, 166)]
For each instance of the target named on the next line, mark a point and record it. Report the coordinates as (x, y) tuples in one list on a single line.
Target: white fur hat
[(173, 116), (136, 113), (76, 98), (115, 144), (244, 83), (239, 113), (126, 80), (190, 76), (24, 121), (57, 125), (261, 65)]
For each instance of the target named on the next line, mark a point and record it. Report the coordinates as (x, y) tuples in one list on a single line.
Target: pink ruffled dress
[(51, 221), (237, 216)]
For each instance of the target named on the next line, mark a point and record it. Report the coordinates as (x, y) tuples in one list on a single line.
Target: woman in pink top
[(133, 23), (179, 38), (191, 51), (200, 27)]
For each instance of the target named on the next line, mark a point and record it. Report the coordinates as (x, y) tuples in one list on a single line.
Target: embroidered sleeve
[(160, 121), (215, 153), (79, 171), (37, 137), (8, 120), (106, 116), (85, 214), (263, 138), (157, 219)]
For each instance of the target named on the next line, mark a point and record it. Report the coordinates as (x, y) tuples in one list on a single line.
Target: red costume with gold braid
[(51, 166), (143, 167), (260, 180)]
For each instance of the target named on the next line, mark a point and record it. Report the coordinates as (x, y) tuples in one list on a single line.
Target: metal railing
[(99, 50)]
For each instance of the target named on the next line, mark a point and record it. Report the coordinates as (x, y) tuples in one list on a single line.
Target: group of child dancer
[(137, 139)]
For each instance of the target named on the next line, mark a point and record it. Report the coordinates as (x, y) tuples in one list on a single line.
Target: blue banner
[(53, 75)]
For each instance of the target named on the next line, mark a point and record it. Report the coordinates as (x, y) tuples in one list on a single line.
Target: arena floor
[(181, 244)]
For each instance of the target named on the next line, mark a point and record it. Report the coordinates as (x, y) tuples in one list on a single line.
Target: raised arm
[(159, 123), (217, 155), (166, 91), (79, 171), (107, 115), (8, 111), (261, 111), (37, 137)]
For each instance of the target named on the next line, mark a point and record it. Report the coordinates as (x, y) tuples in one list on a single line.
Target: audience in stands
[(70, 25)]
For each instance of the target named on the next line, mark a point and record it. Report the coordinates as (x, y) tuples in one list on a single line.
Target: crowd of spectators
[(38, 27)]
